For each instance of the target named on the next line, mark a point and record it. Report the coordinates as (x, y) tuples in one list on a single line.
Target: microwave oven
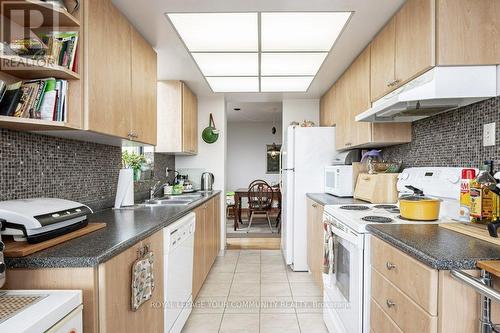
[(339, 180)]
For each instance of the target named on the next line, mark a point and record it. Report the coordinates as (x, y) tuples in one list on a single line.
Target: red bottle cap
[(468, 174)]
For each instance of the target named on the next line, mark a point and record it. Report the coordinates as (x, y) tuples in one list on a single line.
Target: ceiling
[(175, 63), (254, 112)]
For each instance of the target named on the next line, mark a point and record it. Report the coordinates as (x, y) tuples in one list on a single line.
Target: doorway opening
[(253, 191)]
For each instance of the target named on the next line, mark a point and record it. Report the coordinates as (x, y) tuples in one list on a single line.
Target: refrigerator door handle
[(289, 169)]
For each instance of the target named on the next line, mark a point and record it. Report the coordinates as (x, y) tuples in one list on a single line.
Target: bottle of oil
[(483, 200)]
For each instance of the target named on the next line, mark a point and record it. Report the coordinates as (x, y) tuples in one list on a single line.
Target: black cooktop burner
[(352, 207), (377, 219), (386, 206)]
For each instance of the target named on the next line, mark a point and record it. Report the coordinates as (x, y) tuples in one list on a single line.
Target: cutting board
[(476, 231), (492, 266), (21, 249)]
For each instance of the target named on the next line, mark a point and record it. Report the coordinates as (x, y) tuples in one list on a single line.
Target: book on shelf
[(45, 99), (56, 47)]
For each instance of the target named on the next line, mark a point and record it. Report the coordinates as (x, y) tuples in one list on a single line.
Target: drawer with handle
[(380, 322), (416, 280), (406, 314)]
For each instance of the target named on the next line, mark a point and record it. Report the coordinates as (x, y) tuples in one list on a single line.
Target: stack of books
[(45, 99), (56, 47)]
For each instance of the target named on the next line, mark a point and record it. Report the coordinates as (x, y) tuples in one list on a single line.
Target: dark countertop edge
[(83, 262), (436, 263), (400, 245)]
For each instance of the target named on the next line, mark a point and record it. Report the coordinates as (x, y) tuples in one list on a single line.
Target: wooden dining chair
[(260, 200)]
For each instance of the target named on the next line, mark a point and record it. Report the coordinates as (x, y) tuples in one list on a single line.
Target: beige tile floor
[(253, 291)]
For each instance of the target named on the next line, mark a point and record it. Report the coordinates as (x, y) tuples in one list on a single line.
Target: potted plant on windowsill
[(133, 161)]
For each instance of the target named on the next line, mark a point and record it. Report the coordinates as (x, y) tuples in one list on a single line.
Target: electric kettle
[(207, 181)]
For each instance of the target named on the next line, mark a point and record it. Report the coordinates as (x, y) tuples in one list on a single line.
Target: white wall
[(210, 157), (246, 152), (299, 110)]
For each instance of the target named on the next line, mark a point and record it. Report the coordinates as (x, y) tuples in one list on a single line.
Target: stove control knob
[(2, 267), (2, 246), (404, 176)]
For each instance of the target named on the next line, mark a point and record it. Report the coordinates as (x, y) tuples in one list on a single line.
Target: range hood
[(438, 90)]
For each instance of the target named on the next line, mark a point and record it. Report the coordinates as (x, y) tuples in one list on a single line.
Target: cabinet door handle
[(314, 205), (348, 144), (390, 303), (390, 265)]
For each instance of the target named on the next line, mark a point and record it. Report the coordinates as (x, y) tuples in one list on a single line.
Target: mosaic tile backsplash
[(34, 165), (454, 138)]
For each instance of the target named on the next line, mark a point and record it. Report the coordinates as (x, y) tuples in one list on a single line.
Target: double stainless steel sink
[(177, 200)]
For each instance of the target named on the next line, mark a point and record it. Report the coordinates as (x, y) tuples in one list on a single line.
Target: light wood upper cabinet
[(120, 87), (351, 96), (358, 76), (382, 61), (468, 32), (404, 49), (144, 69), (115, 313), (415, 40), (189, 121), (177, 118), (326, 109), (108, 76)]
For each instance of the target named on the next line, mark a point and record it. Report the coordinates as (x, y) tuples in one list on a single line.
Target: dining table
[(241, 193)]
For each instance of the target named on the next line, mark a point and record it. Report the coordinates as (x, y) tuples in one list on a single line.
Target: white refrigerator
[(304, 155)]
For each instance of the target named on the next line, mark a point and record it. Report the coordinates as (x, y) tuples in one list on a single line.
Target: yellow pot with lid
[(419, 207)]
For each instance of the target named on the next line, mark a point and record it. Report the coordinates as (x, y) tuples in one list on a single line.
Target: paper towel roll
[(125, 189)]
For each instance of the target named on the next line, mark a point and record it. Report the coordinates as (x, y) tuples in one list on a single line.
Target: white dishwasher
[(178, 275)]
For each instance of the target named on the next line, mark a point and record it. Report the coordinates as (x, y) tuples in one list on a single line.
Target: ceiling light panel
[(217, 32), (285, 84), (228, 64), (316, 31), (291, 63), (234, 84)]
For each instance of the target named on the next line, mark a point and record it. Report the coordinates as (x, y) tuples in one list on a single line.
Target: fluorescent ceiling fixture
[(291, 63), (316, 31), (281, 84), (234, 84), (220, 32), (228, 64)]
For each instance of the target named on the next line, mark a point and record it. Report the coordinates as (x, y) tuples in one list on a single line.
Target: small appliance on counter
[(39, 219), (379, 188), (341, 176), (207, 181)]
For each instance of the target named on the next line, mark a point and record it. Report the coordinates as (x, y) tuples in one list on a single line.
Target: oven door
[(344, 284)]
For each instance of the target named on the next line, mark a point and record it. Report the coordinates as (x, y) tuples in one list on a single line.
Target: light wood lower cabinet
[(408, 296), (106, 290), (115, 313), (107, 287), (315, 241), (206, 241)]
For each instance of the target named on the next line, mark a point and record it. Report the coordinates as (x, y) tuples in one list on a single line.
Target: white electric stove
[(358, 216), (347, 283)]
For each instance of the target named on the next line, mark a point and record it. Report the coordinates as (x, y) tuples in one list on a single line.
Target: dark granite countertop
[(328, 199), (437, 247), (124, 228)]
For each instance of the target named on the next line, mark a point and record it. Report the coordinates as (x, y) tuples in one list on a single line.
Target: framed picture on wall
[(273, 158)]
